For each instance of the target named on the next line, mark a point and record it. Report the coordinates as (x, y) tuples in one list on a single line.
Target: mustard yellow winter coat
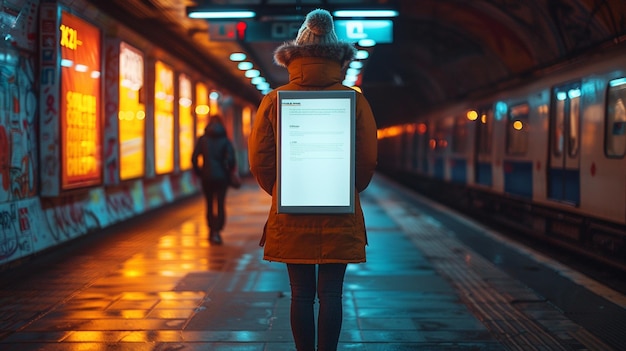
[(312, 238)]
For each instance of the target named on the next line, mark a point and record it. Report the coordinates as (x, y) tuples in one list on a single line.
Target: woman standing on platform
[(218, 161), (315, 247)]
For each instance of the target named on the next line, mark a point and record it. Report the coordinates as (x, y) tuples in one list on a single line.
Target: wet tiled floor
[(156, 284)]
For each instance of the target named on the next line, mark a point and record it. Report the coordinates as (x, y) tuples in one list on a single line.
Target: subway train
[(545, 154), (97, 125)]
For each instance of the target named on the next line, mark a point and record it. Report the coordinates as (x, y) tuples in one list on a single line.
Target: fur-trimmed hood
[(341, 52)]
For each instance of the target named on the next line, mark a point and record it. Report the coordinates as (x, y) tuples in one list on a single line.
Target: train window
[(559, 125), (440, 135), (459, 141), (615, 130), (566, 121), (573, 140), (517, 130)]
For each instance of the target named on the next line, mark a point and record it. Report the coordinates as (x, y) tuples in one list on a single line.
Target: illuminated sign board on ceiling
[(381, 31)]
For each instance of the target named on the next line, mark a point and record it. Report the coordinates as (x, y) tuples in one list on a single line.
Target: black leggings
[(328, 283), (215, 196)]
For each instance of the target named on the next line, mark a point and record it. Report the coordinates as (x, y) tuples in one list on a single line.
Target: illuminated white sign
[(381, 31)]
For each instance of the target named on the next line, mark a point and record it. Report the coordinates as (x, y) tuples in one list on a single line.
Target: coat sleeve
[(262, 145), (194, 157), (366, 144)]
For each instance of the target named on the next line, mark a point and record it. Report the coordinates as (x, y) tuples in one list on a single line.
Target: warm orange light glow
[(472, 115), (518, 125), (202, 107), (186, 137), (163, 118), (422, 128), (132, 113), (483, 119), (432, 144), (80, 107), (389, 132), (246, 121)]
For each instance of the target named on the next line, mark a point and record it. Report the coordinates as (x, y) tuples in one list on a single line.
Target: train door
[(518, 165), (483, 173), (564, 159)]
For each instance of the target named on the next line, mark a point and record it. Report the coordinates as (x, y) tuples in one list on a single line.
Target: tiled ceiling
[(442, 50)]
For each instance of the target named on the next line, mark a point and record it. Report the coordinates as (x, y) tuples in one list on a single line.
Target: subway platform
[(155, 283)]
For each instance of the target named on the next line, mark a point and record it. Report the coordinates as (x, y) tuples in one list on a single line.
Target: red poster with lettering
[(80, 101)]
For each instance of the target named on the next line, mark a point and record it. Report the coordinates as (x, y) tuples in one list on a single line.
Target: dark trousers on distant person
[(215, 196), (325, 280)]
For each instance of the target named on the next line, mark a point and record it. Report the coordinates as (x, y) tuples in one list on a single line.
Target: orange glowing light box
[(202, 107), (132, 113), (80, 112), (164, 118), (185, 123)]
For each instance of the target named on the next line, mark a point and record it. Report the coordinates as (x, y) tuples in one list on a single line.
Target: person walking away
[(218, 161), (315, 247)]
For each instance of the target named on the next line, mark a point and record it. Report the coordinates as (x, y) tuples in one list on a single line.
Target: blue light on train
[(500, 110), (561, 95), (67, 63), (574, 93), (617, 82)]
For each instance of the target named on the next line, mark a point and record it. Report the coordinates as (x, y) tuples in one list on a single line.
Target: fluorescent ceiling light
[(365, 13), (257, 80), (251, 73), (244, 66), (237, 56), (362, 54), (263, 86), (356, 64), (366, 43), (221, 14)]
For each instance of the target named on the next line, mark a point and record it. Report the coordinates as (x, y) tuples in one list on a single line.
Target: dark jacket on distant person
[(218, 154)]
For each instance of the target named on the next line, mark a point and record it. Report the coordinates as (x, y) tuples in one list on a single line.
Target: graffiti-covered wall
[(18, 101), (29, 221)]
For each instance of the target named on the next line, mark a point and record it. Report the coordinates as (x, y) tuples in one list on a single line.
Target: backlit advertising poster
[(80, 103), (185, 123), (163, 118), (202, 107), (132, 113)]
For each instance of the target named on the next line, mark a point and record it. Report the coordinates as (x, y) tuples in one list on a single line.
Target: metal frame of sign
[(316, 151)]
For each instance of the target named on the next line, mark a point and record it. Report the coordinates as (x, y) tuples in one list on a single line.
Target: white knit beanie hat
[(318, 28)]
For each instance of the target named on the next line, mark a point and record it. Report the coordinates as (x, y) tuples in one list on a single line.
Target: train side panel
[(603, 166)]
